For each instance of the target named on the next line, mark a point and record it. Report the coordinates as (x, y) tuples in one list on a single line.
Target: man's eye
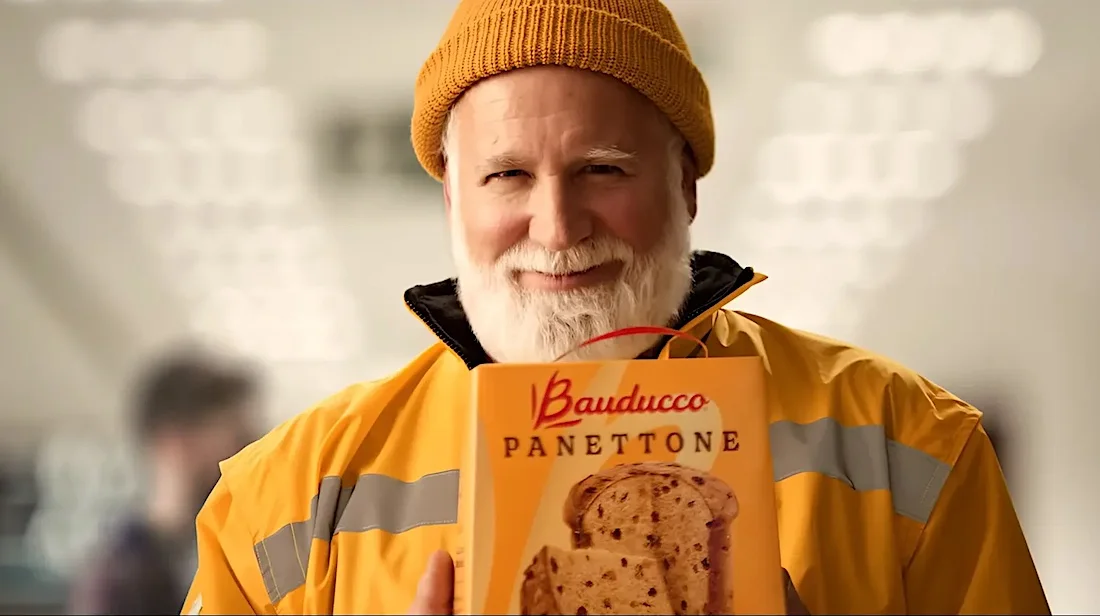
[(603, 169), (511, 173)]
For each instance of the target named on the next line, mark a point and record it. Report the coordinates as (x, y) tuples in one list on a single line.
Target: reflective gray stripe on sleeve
[(863, 458), (375, 502)]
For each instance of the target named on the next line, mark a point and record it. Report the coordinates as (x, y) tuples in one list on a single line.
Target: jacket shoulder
[(321, 439), (298, 433), (817, 377)]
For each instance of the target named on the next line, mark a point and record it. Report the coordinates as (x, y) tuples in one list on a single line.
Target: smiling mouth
[(567, 274), (595, 275)]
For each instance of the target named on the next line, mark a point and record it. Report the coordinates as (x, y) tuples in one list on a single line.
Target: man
[(569, 136), (191, 413)]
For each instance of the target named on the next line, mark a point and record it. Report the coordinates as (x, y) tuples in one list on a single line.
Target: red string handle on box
[(640, 331)]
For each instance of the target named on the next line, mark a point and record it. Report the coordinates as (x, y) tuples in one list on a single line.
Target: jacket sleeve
[(228, 579), (972, 557)]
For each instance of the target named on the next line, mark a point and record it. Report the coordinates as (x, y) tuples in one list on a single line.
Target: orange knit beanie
[(636, 41)]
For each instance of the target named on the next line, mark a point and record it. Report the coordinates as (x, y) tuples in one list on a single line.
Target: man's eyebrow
[(500, 162), (597, 155), (609, 154)]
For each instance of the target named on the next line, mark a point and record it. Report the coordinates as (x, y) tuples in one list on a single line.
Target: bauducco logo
[(555, 406)]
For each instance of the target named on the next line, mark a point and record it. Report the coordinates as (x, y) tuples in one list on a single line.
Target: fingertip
[(442, 557), (440, 567), (436, 587), (439, 563)]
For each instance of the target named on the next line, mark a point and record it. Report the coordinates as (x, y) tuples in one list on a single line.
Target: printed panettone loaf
[(592, 582), (676, 515)]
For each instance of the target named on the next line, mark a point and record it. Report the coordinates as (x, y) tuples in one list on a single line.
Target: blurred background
[(238, 172)]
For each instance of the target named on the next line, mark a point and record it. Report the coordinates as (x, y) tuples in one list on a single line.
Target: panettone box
[(622, 487)]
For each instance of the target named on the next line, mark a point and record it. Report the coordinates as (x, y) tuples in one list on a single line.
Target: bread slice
[(592, 582), (676, 515)]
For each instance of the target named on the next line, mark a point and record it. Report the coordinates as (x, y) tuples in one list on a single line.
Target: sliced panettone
[(679, 516), (592, 582)]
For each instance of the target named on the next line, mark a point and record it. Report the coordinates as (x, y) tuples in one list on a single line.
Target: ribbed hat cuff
[(572, 36)]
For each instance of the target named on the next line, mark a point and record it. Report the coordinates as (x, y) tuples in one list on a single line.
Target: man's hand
[(794, 602), (436, 592)]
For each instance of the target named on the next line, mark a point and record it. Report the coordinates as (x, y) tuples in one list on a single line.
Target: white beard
[(519, 325)]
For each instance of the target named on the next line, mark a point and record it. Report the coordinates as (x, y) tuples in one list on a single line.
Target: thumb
[(435, 592)]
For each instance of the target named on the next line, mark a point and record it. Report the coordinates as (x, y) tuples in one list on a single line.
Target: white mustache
[(530, 257)]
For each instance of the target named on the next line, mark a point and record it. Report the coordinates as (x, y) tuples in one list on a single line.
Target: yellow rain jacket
[(890, 498)]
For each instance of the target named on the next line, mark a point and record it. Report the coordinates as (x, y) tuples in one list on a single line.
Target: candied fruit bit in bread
[(593, 582)]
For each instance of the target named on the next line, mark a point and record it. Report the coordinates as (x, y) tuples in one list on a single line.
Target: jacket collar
[(715, 277)]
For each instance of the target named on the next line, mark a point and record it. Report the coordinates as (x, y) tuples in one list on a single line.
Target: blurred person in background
[(569, 136), (191, 411)]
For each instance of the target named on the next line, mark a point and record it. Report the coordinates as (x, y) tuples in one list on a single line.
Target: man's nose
[(559, 220)]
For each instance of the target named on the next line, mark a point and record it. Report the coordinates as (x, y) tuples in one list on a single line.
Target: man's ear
[(689, 176), (446, 190)]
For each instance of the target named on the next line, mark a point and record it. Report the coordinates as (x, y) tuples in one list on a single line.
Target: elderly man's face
[(570, 198)]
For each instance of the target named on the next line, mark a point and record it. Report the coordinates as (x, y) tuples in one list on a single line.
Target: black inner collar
[(714, 277)]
